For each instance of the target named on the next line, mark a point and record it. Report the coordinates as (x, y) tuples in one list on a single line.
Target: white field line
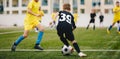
[(54, 50), (11, 32)]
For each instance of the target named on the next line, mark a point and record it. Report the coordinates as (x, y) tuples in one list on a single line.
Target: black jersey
[(101, 17), (92, 15), (66, 19)]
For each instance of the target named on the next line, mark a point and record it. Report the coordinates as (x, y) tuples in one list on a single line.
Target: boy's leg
[(36, 29), (70, 37), (118, 27), (39, 39), (62, 38), (19, 40), (109, 28), (88, 26), (76, 46), (101, 24), (81, 54), (93, 26)]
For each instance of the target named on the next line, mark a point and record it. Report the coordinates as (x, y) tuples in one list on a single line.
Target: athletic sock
[(76, 47), (19, 40), (110, 27), (118, 27), (40, 35), (36, 28), (87, 26), (93, 27)]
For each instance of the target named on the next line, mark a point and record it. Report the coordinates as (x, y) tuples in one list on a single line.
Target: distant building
[(82, 6), (13, 11)]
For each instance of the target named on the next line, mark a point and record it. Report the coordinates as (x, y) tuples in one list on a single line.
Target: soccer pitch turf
[(96, 44)]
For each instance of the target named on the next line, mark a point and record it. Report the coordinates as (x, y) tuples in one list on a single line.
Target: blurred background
[(12, 12)]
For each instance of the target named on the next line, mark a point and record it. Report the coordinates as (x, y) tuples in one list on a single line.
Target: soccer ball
[(67, 50)]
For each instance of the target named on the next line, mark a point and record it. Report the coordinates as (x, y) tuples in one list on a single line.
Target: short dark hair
[(117, 1), (66, 7)]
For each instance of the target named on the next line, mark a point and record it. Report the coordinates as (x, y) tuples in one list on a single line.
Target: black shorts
[(101, 20), (92, 21), (66, 32)]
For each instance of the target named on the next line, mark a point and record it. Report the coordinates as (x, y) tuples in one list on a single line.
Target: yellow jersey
[(42, 14), (34, 6), (75, 17), (53, 16), (117, 14), (32, 21)]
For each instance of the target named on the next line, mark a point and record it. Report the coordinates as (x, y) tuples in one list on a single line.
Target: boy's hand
[(73, 28), (37, 15)]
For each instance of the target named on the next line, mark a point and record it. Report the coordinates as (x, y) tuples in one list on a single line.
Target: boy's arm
[(41, 13), (32, 13), (116, 11), (56, 15), (73, 24)]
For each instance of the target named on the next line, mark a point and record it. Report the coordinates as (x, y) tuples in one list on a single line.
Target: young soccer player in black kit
[(92, 15), (65, 28), (101, 17)]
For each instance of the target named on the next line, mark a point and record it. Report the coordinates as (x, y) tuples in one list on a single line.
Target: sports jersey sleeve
[(59, 13), (73, 23), (114, 9), (30, 5), (42, 13)]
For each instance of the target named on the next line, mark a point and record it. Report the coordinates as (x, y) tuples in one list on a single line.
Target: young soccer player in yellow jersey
[(53, 23), (53, 15), (31, 21), (75, 16), (40, 18), (116, 11)]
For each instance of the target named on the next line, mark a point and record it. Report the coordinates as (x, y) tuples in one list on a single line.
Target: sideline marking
[(10, 32), (91, 50)]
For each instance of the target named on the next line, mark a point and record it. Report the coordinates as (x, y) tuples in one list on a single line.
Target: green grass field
[(87, 40)]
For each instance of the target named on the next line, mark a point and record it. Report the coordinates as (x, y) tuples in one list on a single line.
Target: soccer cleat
[(36, 30), (13, 48), (108, 31), (118, 32), (38, 47), (82, 54)]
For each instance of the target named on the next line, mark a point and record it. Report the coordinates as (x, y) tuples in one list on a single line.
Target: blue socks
[(40, 35), (118, 28), (19, 40)]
